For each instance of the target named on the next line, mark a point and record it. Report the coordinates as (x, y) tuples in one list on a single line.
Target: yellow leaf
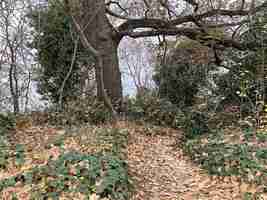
[(244, 187)]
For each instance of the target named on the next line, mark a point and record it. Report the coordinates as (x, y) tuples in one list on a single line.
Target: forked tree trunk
[(91, 15)]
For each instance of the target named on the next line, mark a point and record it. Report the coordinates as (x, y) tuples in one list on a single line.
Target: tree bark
[(111, 72), (13, 81), (91, 15), (13, 90)]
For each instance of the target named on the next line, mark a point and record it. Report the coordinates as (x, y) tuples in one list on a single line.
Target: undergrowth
[(154, 110), (9, 153), (7, 123), (103, 173), (225, 159)]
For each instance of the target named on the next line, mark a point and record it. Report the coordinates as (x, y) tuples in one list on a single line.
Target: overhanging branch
[(131, 24), (158, 26), (195, 34)]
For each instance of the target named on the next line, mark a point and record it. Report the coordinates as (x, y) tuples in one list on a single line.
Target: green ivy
[(110, 169), (220, 158), (104, 173), (7, 122), (261, 136), (19, 154), (195, 124), (4, 152)]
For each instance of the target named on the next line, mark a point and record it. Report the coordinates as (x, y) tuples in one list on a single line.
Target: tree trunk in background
[(13, 80), (91, 15), (13, 90)]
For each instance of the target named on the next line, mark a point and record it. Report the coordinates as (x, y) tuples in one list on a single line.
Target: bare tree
[(14, 54), (137, 63)]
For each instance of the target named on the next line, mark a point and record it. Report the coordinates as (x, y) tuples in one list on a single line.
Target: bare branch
[(165, 4), (131, 24), (110, 12), (193, 3), (61, 90)]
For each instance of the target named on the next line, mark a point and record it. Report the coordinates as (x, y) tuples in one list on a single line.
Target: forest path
[(162, 172)]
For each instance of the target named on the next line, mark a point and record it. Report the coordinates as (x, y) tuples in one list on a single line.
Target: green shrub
[(261, 136), (180, 82), (19, 154), (238, 88), (195, 124), (80, 111), (87, 170), (220, 158), (7, 122), (104, 172), (151, 108), (4, 152), (54, 45)]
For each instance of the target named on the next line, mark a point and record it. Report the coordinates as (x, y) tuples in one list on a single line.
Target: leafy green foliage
[(251, 196), (14, 197), (104, 172), (240, 83), (261, 136), (74, 169), (7, 122), (180, 82), (19, 154), (7, 153), (223, 159), (195, 124), (54, 43), (248, 133), (238, 87), (4, 152)]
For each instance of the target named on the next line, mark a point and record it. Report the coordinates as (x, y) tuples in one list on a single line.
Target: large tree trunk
[(91, 15), (111, 71)]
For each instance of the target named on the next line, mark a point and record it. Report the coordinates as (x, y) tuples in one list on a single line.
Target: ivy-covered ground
[(131, 161), (48, 163)]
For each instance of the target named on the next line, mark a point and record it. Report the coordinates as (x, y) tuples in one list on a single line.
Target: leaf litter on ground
[(159, 171)]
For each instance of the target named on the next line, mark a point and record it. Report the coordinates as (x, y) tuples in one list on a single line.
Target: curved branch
[(61, 90), (156, 23), (196, 34)]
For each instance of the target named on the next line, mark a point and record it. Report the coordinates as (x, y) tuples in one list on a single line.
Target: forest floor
[(163, 172), (158, 168)]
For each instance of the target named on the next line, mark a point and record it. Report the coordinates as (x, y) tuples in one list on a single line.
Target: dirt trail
[(162, 173)]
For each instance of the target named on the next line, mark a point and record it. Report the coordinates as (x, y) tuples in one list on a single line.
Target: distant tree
[(14, 54)]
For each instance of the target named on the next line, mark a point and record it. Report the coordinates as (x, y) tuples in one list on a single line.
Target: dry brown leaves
[(35, 141), (163, 173), (159, 171), (38, 142)]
